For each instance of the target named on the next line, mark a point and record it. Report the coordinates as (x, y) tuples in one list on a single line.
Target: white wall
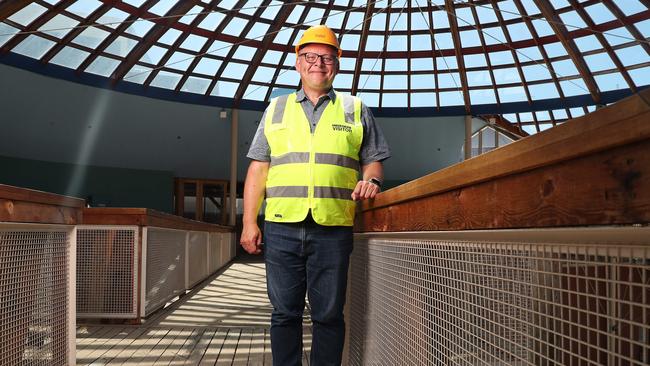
[(49, 119)]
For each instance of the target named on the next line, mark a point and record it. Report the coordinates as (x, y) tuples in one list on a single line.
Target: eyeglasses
[(311, 58)]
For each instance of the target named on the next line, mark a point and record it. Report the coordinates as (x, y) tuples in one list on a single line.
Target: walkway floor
[(225, 321)]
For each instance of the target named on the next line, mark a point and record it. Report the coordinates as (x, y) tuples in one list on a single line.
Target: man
[(305, 156)]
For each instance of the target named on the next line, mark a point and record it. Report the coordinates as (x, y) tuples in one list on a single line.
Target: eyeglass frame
[(321, 56)]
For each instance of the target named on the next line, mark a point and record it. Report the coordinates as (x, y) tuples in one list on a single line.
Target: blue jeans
[(307, 258)]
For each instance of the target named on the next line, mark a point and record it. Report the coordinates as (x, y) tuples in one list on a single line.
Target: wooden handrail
[(31, 206), (146, 217)]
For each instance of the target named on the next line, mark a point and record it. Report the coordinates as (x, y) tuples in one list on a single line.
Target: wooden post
[(468, 137), (233, 167)]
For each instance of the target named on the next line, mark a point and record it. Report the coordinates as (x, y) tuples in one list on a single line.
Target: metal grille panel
[(37, 298), (226, 248), (197, 258), (432, 302), (165, 266), (215, 258), (107, 273)]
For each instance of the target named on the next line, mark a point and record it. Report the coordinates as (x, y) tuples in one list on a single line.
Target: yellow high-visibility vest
[(313, 171)]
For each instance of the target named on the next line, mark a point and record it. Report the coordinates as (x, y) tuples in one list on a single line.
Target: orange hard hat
[(319, 34)]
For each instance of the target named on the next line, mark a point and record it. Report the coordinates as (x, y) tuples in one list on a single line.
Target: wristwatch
[(375, 181)]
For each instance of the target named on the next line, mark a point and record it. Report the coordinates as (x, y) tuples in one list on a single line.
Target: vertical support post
[(72, 297), (232, 218), (468, 137)]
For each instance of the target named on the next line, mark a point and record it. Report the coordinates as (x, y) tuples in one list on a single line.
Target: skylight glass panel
[(397, 43), (235, 27), (555, 49), (518, 32), (113, 18), (565, 68), (440, 20), (33, 46), (283, 36), (140, 28), (272, 57), (69, 57), (420, 42), (27, 14), (643, 27), (194, 42), (543, 91), (536, 72), (531, 8), (560, 114), (218, 48), (451, 98), (166, 80), (464, 17), (577, 112), (599, 62), (91, 37), (482, 96), (258, 31), (572, 20), (8, 30), (529, 54), (191, 15), (350, 42), (294, 17), (83, 8), (448, 81), (509, 10), (369, 82), (227, 4), (478, 78), (209, 66), (375, 43), (611, 81), (58, 26), (443, 41), (343, 81), (542, 27), (423, 99), (135, 3), (419, 22), (501, 58), (632, 55), (369, 64), (513, 94), (263, 74), (476, 60), (170, 36), (543, 116), (121, 46), (335, 20), (588, 43), (395, 82), (103, 66), (423, 81), (288, 77), (506, 76), (494, 35), (212, 21), (640, 76), (530, 129), (162, 7), (629, 7), (244, 53), (138, 74), (179, 61), (394, 100), (256, 92), (371, 99), (447, 63), (153, 55), (399, 64), (314, 16), (526, 117), (196, 85), (574, 87), (618, 36), (251, 7), (421, 64), (272, 10), (470, 38), (599, 13), (486, 14)]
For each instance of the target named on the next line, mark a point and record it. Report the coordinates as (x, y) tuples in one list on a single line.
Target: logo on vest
[(278, 216), (341, 128)]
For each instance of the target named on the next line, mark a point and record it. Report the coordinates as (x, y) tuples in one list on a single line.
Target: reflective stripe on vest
[(313, 171)]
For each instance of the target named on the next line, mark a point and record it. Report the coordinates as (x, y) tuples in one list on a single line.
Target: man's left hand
[(364, 190)]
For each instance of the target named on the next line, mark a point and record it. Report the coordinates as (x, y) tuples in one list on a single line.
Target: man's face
[(317, 76)]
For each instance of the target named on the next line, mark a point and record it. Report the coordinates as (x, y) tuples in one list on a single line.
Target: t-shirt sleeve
[(374, 146), (260, 149)]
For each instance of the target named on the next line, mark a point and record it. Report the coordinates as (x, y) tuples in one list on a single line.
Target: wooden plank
[(146, 217), (187, 347), (173, 346), (201, 347), (146, 347), (92, 351), (227, 354), (243, 348), (213, 349), (30, 195), (608, 188), (622, 123), (129, 352), (268, 355), (28, 212), (110, 356), (307, 342), (256, 353)]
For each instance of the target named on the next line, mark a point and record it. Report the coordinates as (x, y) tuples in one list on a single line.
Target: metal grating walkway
[(225, 321)]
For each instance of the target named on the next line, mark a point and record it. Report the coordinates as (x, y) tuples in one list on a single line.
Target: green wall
[(111, 187)]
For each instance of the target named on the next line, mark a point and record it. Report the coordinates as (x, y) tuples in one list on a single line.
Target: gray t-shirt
[(373, 147)]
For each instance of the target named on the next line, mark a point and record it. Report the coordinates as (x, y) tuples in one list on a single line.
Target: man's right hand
[(251, 239)]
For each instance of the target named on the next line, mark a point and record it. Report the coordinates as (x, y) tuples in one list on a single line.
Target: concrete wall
[(47, 119)]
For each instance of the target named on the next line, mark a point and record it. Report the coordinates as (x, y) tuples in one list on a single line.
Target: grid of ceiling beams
[(396, 53)]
